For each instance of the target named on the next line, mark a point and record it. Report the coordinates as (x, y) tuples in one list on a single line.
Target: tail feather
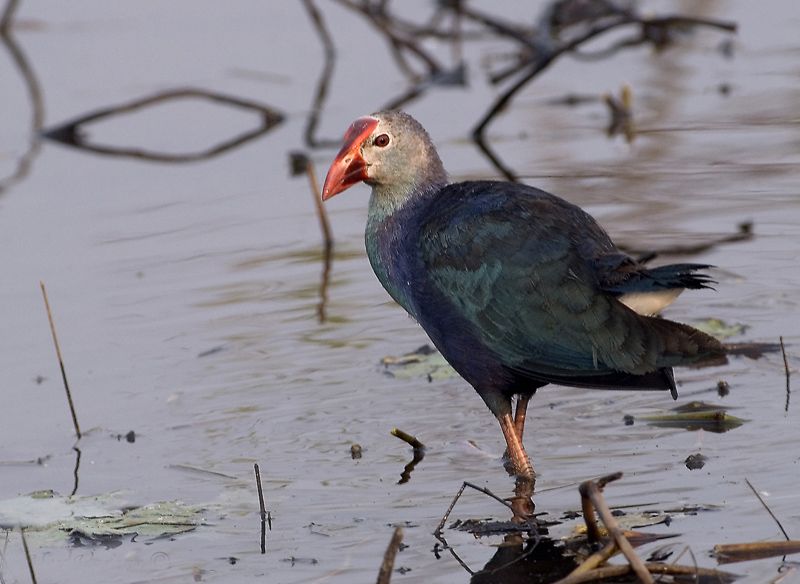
[(679, 276), (681, 344), (639, 279)]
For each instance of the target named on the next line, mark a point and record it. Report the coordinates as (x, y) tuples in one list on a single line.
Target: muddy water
[(186, 295)]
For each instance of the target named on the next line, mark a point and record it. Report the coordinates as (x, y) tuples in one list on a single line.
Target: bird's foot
[(522, 502), (523, 510)]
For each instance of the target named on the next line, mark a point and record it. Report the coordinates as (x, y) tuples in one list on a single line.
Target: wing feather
[(517, 265)]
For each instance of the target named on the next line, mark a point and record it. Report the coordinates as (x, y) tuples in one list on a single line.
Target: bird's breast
[(389, 248)]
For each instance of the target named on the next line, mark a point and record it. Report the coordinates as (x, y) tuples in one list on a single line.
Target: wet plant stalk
[(260, 492), (322, 214), (327, 238), (265, 517), (27, 554), (764, 504), (385, 572), (61, 362), (593, 490)]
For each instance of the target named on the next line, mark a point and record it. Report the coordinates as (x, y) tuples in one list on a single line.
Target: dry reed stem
[(61, 362), (385, 573), (593, 491)]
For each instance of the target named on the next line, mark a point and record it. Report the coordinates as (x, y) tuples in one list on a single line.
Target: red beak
[(349, 168)]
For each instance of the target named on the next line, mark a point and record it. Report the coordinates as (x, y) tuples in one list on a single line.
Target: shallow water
[(186, 295)]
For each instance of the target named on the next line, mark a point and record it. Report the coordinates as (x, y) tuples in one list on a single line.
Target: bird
[(516, 287)]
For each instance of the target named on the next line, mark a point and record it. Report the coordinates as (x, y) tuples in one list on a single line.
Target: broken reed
[(592, 500), (385, 572), (260, 492), (61, 362), (266, 516), (764, 504), (408, 439), (322, 214), (27, 554)]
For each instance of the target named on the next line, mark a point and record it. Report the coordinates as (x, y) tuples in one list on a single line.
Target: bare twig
[(418, 450), (260, 492), (541, 62), (771, 514), (27, 554), (61, 362), (655, 31), (545, 54), (438, 532), (788, 374), (520, 34), (265, 516), (385, 573), (592, 530), (587, 507), (384, 23), (593, 490), (202, 471), (408, 439)]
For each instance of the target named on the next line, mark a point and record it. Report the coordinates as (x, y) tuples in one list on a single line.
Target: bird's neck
[(385, 201)]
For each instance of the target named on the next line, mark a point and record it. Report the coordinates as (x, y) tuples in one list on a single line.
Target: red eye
[(381, 141)]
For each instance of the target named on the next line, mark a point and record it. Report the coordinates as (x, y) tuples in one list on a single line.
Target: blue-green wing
[(518, 267)]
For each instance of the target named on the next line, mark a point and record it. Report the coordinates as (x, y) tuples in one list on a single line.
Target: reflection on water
[(34, 92), (75, 132)]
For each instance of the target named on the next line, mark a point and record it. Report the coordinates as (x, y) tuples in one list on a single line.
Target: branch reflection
[(72, 133), (34, 91)]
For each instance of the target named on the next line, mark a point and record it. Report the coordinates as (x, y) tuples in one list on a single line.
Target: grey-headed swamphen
[(516, 287)]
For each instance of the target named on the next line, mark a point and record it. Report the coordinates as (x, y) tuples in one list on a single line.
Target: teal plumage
[(516, 287)]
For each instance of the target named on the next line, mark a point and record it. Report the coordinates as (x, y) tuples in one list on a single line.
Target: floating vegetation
[(719, 328), (425, 362), (97, 518), (697, 416)]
